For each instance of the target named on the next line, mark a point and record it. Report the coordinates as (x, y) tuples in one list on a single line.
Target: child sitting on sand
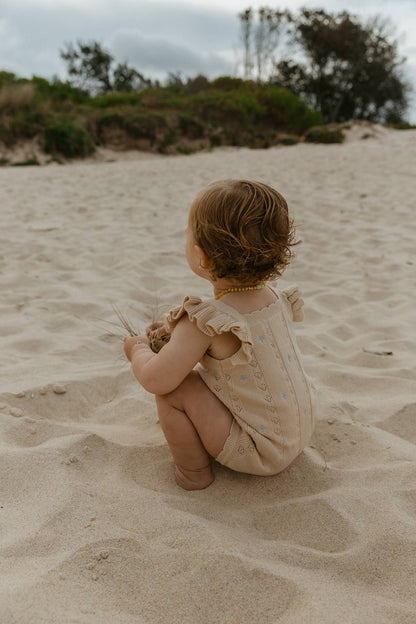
[(230, 383)]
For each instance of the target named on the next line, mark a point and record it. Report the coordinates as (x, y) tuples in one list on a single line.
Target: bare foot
[(194, 479)]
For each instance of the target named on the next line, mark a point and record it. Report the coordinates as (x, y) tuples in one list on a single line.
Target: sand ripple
[(93, 528)]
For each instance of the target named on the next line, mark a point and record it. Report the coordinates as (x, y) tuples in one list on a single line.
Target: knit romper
[(263, 385)]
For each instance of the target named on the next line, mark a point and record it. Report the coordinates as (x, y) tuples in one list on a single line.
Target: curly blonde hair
[(244, 228)]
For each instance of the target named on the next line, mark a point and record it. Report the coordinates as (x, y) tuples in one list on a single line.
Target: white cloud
[(9, 37), (154, 54)]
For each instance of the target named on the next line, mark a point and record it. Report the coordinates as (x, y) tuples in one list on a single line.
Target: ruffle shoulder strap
[(295, 302), (214, 321)]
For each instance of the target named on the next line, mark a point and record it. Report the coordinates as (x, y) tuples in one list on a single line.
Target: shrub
[(137, 123), (191, 127), (402, 125), (26, 124), (184, 149), (15, 97), (115, 99), (175, 101), (108, 119), (57, 91), (325, 134), (10, 78), (199, 83), (168, 140), (68, 138), (217, 139), (286, 139), (232, 107), (145, 125), (228, 83), (26, 163), (6, 135), (285, 110)]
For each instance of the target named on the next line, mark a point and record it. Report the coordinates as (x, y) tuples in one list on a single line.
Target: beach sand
[(93, 528)]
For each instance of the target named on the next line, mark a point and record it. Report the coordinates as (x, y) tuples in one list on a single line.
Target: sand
[(93, 528)]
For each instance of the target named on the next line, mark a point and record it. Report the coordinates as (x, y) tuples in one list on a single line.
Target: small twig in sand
[(375, 352)]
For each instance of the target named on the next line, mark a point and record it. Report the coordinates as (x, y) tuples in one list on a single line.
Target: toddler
[(230, 383)]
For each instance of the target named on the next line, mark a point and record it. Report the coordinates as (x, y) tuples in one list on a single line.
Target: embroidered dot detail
[(243, 378), (261, 429), (284, 397), (260, 339), (289, 359)]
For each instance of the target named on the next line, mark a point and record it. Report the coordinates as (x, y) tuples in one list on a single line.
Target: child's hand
[(131, 341), (159, 335), (156, 330)]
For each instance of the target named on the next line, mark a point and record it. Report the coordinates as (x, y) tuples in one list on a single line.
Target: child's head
[(244, 229)]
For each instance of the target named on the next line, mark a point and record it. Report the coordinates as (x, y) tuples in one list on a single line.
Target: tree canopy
[(338, 65), (93, 69)]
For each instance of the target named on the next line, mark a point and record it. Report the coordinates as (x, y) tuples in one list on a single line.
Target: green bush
[(168, 140), (286, 139), (217, 139), (184, 149), (106, 120), (67, 138), (58, 91), (191, 127), (115, 99), (229, 83), (145, 125), (7, 78), (138, 123), (199, 83), (285, 110), (402, 125), (238, 107), (6, 135), (28, 124), (227, 111), (325, 134), (26, 163)]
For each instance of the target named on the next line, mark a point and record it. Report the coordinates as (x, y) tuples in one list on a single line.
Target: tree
[(260, 37), (351, 70), (91, 67), (246, 18)]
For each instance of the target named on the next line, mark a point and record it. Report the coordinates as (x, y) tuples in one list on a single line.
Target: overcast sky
[(161, 36)]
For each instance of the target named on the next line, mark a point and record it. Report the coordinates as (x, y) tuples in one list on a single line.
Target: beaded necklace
[(239, 289)]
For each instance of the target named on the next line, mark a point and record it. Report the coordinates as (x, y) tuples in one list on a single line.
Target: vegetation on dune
[(180, 118), (66, 137), (343, 70), (331, 133)]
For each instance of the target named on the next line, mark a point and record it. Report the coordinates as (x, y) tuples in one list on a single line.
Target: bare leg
[(196, 425)]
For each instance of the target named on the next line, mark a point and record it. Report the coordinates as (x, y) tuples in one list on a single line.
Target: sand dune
[(93, 528)]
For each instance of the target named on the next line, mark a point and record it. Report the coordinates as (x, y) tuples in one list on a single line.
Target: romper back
[(264, 384)]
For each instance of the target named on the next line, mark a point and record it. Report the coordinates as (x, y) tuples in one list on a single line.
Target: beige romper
[(263, 385)]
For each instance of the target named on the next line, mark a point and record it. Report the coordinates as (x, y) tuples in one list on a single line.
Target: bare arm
[(163, 372)]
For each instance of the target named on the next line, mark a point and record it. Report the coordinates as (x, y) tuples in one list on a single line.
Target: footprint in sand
[(149, 578), (302, 523), (402, 424)]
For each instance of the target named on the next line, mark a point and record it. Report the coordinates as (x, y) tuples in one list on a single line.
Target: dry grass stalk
[(157, 339), (125, 322)]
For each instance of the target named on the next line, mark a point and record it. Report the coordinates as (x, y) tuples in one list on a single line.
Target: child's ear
[(204, 261)]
